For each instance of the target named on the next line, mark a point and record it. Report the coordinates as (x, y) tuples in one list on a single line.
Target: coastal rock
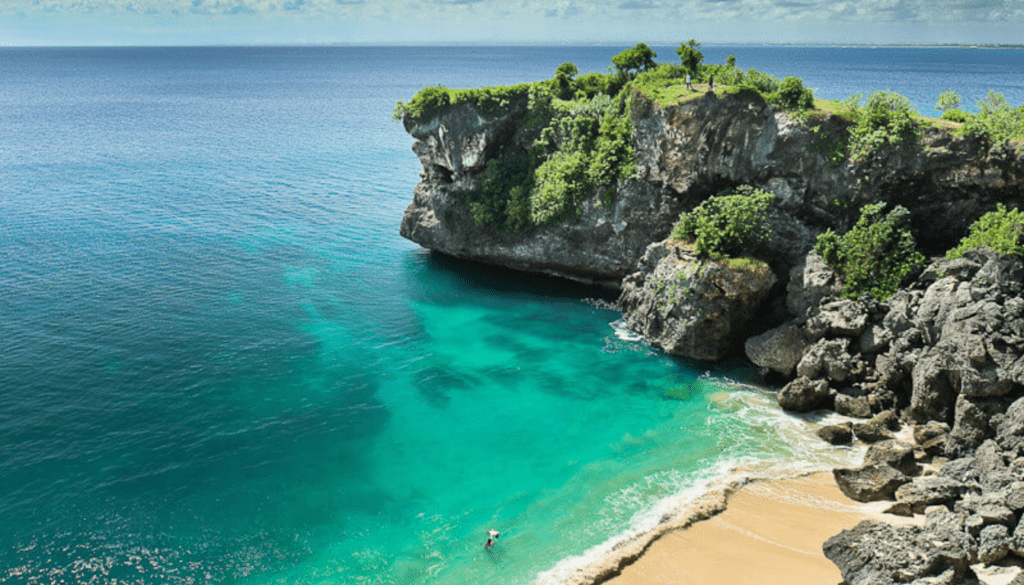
[(877, 553), (896, 454), (855, 406), (809, 282), (931, 437), (840, 434), (929, 491), (971, 424), (804, 395), (779, 349), (827, 358), (873, 431), (869, 483), (691, 307), (994, 544), (841, 317)]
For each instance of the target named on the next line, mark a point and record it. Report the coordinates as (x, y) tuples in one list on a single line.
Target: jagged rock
[(897, 454), (779, 349), (941, 519), (962, 470), (869, 483), (1017, 542), (827, 358), (934, 391), (1010, 427), (929, 491), (875, 339), (690, 307), (840, 434), (988, 458), (855, 406), (839, 317), (994, 544), (803, 395), (899, 509), (876, 553), (873, 431), (931, 437), (971, 425), (1014, 498), (809, 283)]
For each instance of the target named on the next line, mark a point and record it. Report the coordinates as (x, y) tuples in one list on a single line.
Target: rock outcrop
[(686, 153), (697, 308)]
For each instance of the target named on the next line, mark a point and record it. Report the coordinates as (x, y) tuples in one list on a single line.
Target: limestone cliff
[(688, 152)]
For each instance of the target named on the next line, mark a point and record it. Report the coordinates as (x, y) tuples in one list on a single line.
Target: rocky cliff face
[(688, 152)]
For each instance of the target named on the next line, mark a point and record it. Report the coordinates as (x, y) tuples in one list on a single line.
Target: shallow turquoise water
[(222, 364)]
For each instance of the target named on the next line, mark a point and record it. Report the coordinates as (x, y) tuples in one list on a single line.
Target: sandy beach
[(771, 533)]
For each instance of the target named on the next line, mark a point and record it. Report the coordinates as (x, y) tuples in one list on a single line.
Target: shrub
[(948, 100), (726, 224), (875, 255), (1001, 230), (955, 116), (885, 118), (792, 95), (996, 120)]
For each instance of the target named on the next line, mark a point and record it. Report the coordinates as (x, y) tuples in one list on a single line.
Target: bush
[(726, 224), (631, 61), (886, 118), (1001, 230), (875, 255), (792, 95), (948, 100), (955, 116), (996, 120)]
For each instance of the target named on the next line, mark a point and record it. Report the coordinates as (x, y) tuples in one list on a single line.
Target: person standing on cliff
[(711, 82), (689, 81)]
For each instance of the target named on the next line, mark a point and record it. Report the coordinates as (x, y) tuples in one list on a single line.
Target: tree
[(731, 61), (690, 56), (631, 61), (948, 100), (562, 84)]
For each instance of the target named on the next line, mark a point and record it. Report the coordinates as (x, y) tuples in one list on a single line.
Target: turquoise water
[(221, 364)]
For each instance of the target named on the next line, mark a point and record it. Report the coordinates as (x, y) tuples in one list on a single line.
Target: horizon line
[(522, 44)]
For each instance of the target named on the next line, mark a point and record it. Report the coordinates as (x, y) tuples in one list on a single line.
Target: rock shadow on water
[(436, 385), (442, 273)]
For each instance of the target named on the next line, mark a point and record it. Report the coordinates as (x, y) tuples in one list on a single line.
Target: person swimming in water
[(492, 535)]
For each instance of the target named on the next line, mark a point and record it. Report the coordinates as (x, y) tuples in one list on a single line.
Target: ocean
[(219, 363)]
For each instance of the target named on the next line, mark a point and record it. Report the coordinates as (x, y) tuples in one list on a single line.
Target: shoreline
[(752, 529)]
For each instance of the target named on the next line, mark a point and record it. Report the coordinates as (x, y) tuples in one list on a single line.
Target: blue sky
[(192, 22)]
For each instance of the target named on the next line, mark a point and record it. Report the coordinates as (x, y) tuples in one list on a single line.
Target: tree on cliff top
[(632, 61), (726, 224), (691, 57)]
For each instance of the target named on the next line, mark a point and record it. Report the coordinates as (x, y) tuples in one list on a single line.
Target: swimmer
[(492, 535)]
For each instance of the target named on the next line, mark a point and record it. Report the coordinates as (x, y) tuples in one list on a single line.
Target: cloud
[(636, 5)]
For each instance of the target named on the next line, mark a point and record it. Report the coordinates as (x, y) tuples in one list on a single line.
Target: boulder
[(827, 358), (855, 406), (869, 483), (934, 391), (841, 317), (877, 553), (896, 454), (994, 544), (804, 395), (873, 431), (779, 349), (929, 491), (840, 434), (931, 437), (691, 307)]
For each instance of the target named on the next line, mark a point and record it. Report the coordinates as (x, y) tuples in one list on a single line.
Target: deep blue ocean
[(219, 363)]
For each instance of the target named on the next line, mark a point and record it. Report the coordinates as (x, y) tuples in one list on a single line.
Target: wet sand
[(771, 533)]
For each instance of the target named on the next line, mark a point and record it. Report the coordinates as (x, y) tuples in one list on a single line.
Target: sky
[(400, 22)]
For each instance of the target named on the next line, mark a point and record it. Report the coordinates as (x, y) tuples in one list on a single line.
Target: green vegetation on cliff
[(727, 224), (876, 254), (1001, 230)]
